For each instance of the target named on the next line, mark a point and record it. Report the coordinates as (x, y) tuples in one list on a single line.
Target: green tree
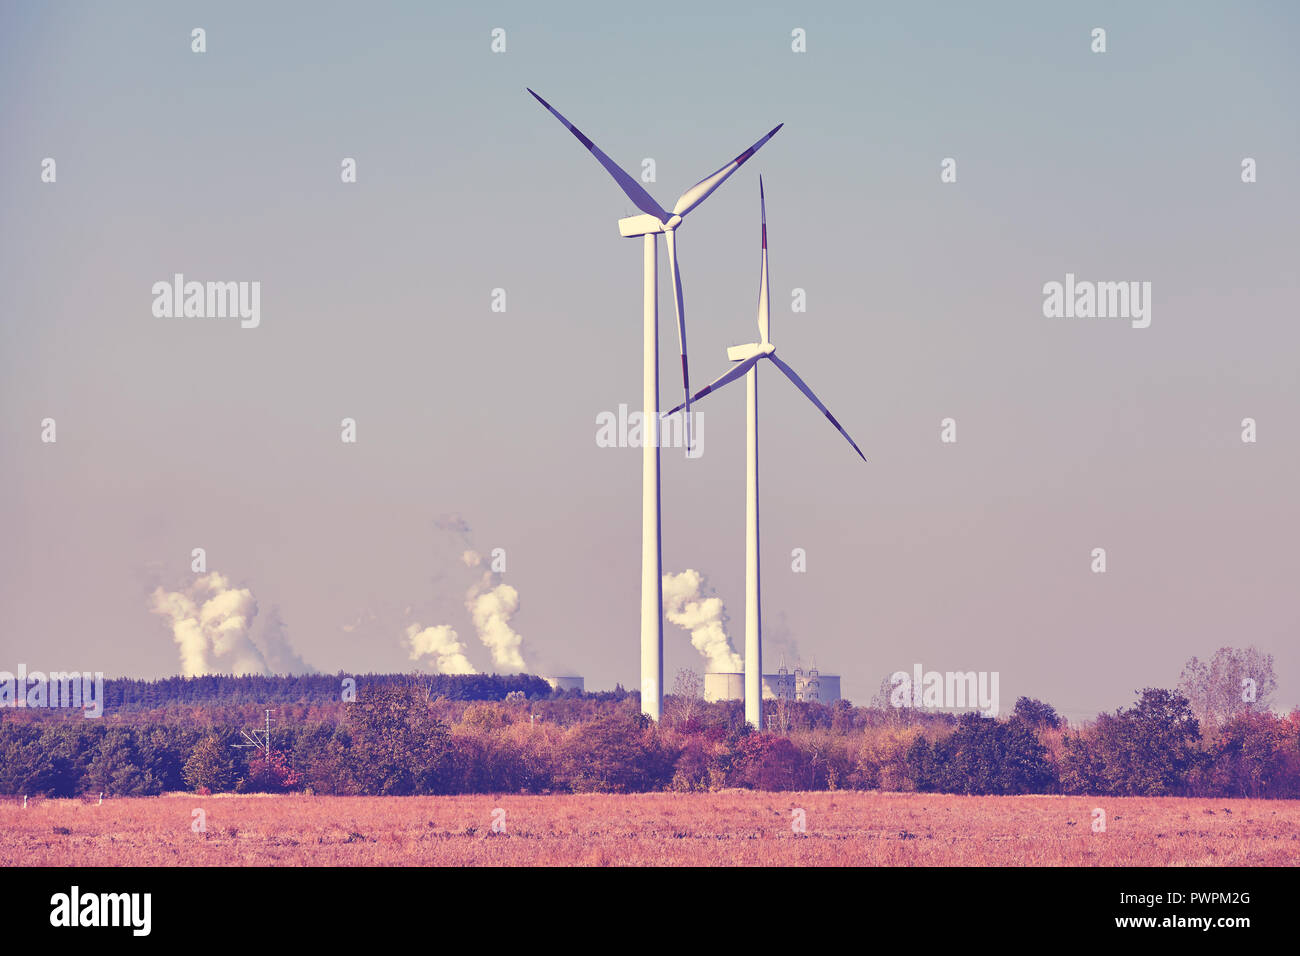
[(210, 766), (984, 755), (923, 769), (115, 768), (324, 753), (26, 766), (1036, 714), (1152, 749)]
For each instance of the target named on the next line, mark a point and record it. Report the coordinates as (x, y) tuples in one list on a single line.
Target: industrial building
[(793, 685), (724, 686)]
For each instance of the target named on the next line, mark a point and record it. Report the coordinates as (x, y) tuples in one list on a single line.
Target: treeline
[(129, 694), (400, 737)]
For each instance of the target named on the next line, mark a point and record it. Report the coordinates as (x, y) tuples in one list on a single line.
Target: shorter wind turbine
[(748, 357)]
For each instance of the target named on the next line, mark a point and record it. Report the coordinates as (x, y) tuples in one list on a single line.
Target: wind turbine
[(748, 357), (653, 221)]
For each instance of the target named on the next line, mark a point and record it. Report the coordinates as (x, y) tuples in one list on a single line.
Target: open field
[(731, 827)]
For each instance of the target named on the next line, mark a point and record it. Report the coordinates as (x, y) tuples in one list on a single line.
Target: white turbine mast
[(653, 221), (748, 357)]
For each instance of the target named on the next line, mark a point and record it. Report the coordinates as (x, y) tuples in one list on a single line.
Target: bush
[(770, 762), (270, 773)]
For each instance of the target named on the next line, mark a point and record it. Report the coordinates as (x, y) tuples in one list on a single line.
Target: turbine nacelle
[(643, 225), (646, 225), (738, 353)]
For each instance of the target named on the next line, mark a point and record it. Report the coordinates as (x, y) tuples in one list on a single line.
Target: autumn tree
[(618, 753), (770, 762), (398, 745), (1257, 755)]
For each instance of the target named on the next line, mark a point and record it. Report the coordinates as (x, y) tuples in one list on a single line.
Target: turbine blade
[(802, 386), (701, 190), (634, 190), (671, 237), (730, 375), (764, 313)]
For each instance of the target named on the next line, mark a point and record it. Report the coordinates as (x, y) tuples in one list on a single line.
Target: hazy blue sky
[(924, 301)]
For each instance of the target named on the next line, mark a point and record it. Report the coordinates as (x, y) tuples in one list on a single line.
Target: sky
[(924, 301)]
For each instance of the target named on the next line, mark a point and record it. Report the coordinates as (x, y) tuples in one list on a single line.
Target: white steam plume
[(686, 605), (492, 604), (211, 624), (441, 643)]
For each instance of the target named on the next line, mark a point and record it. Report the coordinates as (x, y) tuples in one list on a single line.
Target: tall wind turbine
[(748, 357), (653, 221)]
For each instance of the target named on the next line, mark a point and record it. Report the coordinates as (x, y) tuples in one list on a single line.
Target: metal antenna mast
[(259, 739)]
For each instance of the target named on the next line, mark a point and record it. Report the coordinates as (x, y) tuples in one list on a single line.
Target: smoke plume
[(453, 523), (778, 644), (442, 644), (273, 641), (211, 624), (687, 605)]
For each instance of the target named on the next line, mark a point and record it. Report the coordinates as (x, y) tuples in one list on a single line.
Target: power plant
[(792, 685)]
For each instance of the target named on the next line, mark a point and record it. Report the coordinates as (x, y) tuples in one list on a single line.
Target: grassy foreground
[(658, 829)]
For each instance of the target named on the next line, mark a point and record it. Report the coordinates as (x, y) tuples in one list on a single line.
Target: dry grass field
[(658, 829)]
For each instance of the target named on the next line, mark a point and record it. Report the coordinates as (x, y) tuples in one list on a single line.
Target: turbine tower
[(653, 221), (748, 357)]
